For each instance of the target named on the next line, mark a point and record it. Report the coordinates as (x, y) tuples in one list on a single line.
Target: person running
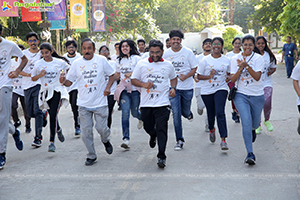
[(52, 93), (155, 94), (32, 88), (72, 55), (168, 43), (289, 50), (18, 93), (213, 73), (266, 76), (296, 84), (127, 94), (206, 45), (115, 56), (246, 70), (185, 64), (90, 70), (141, 46), (104, 51), (236, 43), (7, 50)]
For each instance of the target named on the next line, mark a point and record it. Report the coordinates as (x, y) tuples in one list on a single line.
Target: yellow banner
[(78, 14)]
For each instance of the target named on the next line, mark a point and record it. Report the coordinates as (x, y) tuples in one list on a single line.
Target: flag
[(30, 16), (78, 14), (98, 15), (8, 9), (59, 10), (57, 25)]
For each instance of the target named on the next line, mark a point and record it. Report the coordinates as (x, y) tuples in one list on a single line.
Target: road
[(200, 171)]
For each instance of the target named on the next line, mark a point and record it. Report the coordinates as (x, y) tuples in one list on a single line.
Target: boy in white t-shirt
[(154, 75), (72, 55), (90, 71), (185, 64), (7, 50)]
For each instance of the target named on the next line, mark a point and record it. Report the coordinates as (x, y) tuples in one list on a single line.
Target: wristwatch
[(173, 88)]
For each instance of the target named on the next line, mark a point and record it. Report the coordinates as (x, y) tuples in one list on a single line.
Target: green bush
[(228, 36), (17, 40)]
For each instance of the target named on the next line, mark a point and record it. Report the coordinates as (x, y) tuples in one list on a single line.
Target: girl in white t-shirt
[(236, 43), (48, 70), (269, 69), (127, 94), (246, 70), (104, 51), (213, 72)]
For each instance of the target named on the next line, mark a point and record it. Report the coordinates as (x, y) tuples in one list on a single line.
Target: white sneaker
[(206, 128), (140, 124), (179, 145), (125, 144)]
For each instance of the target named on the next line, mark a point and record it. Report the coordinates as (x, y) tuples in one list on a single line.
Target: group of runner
[(146, 81)]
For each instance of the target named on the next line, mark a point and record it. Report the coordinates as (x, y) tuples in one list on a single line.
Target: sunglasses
[(32, 40)]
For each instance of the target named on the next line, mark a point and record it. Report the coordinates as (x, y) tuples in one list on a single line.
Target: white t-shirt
[(183, 61), (114, 57), (296, 76), (91, 80), (17, 82), (53, 69), (199, 58), (32, 59), (246, 84), (113, 87), (145, 55), (218, 81), (127, 65), (159, 73), (7, 50), (230, 54), (267, 80), (74, 86)]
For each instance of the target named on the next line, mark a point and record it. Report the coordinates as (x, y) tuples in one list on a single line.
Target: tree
[(229, 34)]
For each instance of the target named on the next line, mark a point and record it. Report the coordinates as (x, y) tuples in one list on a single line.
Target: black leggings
[(14, 107), (73, 101), (54, 104), (111, 104)]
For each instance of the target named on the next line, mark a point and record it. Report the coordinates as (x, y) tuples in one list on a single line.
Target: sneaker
[(77, 132), (253, 135), (250, 159), (45, 114), (108, 147), (119, 108), (268, 125), (17, 124), (298, 129), (206, 128), (190, 117), (140, 124), (238, 119), (60, 136), (179, 145), (234, 116), (161, 163), (28, 130), (51, 147), (125, 144), (37, 142), (212, 135), (224, 146), (257, 131), (90, 161), (152, 141), (18, 141), (2, 161), (200, 111)]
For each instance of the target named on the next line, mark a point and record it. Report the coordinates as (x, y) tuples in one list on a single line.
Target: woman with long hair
[(246, 70), (269, 68), (126, 93), (48, 69)]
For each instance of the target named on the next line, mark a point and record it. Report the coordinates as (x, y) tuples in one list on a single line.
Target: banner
[(98, 15), (87, 26), (78, 14), (30, 16), (58, 25), (59, 10), (8, 9)]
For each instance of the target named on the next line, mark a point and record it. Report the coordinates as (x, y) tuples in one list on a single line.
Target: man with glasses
[(288, 51), (32, 88), (72, 55)]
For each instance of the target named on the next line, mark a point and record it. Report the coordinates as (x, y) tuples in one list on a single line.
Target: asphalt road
[(200, 171)]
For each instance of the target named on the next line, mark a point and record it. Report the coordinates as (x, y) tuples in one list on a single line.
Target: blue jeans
[(215, 107), (181, 105), (249, 108), (289, 64), (129, 101)]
